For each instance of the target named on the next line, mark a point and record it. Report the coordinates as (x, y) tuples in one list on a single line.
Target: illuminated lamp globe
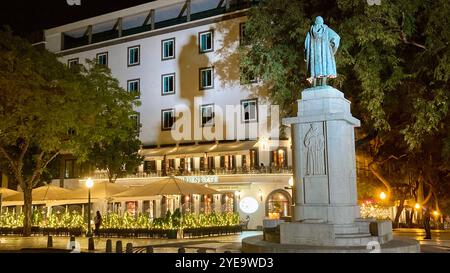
[(248, 205), (89, 183)]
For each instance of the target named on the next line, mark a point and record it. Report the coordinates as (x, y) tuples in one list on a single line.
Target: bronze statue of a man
[(321, 44)]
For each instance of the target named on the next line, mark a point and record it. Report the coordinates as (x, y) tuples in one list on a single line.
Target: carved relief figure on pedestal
[(315, 144)]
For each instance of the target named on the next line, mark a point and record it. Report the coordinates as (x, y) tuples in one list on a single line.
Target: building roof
[(135, 20), (105, 18)]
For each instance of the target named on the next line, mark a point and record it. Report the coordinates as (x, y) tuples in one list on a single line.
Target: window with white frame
[(136, 121), (206, 41), (206, 78), (207, 115), (133, 55), (167, 119), (102, 58), (249, 110), (72, 63), (133, 86), (168, 49), (168, 84)]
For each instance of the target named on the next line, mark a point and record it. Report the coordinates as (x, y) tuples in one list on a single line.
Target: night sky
[(27, 16)]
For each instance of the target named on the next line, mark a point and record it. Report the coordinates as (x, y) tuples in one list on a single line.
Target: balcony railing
[(198, 172), (70, 42)]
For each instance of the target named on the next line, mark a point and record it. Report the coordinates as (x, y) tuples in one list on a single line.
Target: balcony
[(198, 172)]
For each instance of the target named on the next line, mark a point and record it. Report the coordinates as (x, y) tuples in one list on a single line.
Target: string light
[(369, 210)]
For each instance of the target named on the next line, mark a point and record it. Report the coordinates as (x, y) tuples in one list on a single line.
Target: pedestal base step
[(327, 234), (256, 244), (360, 239)]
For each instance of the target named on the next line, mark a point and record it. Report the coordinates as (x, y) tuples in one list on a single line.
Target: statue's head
[(319, 20)]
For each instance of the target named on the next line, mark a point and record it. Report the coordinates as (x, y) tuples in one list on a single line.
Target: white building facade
[(200, 118)]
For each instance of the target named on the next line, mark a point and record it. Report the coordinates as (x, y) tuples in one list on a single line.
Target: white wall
[(227, 88)]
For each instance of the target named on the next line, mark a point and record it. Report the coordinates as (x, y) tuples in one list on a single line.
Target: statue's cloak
[(321, 44)]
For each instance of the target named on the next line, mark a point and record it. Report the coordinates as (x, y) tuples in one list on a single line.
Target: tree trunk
[(27, 200), (399, 211), (373, 167), (112, 177)]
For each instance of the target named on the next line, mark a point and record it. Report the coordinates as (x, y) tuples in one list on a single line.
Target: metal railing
[(200, 172), (70, 42)]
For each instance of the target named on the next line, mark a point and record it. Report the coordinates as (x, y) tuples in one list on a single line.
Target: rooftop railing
[(71, 42)]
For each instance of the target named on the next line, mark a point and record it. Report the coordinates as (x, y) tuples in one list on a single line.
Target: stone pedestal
[(326, 214), (324, 164)]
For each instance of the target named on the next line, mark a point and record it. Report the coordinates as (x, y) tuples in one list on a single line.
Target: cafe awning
[(232, 148), (157, 153), (200, 150), (191, 151)]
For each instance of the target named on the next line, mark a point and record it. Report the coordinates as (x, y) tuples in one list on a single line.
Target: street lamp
[(382, 195), (417, 206), (89, 184), (436, 218)]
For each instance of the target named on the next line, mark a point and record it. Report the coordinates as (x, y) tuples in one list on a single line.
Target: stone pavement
[(217, 244), (440, 242)]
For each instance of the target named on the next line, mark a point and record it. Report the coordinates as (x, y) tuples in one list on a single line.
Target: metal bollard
[(129, 248), (91, 244), (149, 249), (108, 246), (119, 247), (181, 250), (49, 241)]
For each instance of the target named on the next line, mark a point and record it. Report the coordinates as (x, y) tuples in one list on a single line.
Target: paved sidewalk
[(418, 230), (210, 244), (439, 242)]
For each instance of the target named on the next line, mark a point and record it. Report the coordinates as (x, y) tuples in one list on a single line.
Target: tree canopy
[(119, 157), (393, 65), (47, 109)]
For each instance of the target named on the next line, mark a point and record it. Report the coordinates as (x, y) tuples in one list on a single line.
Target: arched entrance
[(279, 201)]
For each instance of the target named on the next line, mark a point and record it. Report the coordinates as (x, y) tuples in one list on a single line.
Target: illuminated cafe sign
[(200, 179)]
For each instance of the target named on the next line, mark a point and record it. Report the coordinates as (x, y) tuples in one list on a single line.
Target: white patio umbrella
[(40, 195), (167, 186)]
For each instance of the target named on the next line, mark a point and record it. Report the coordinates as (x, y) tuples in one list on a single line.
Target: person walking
[(97, 223), (426, 224)]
